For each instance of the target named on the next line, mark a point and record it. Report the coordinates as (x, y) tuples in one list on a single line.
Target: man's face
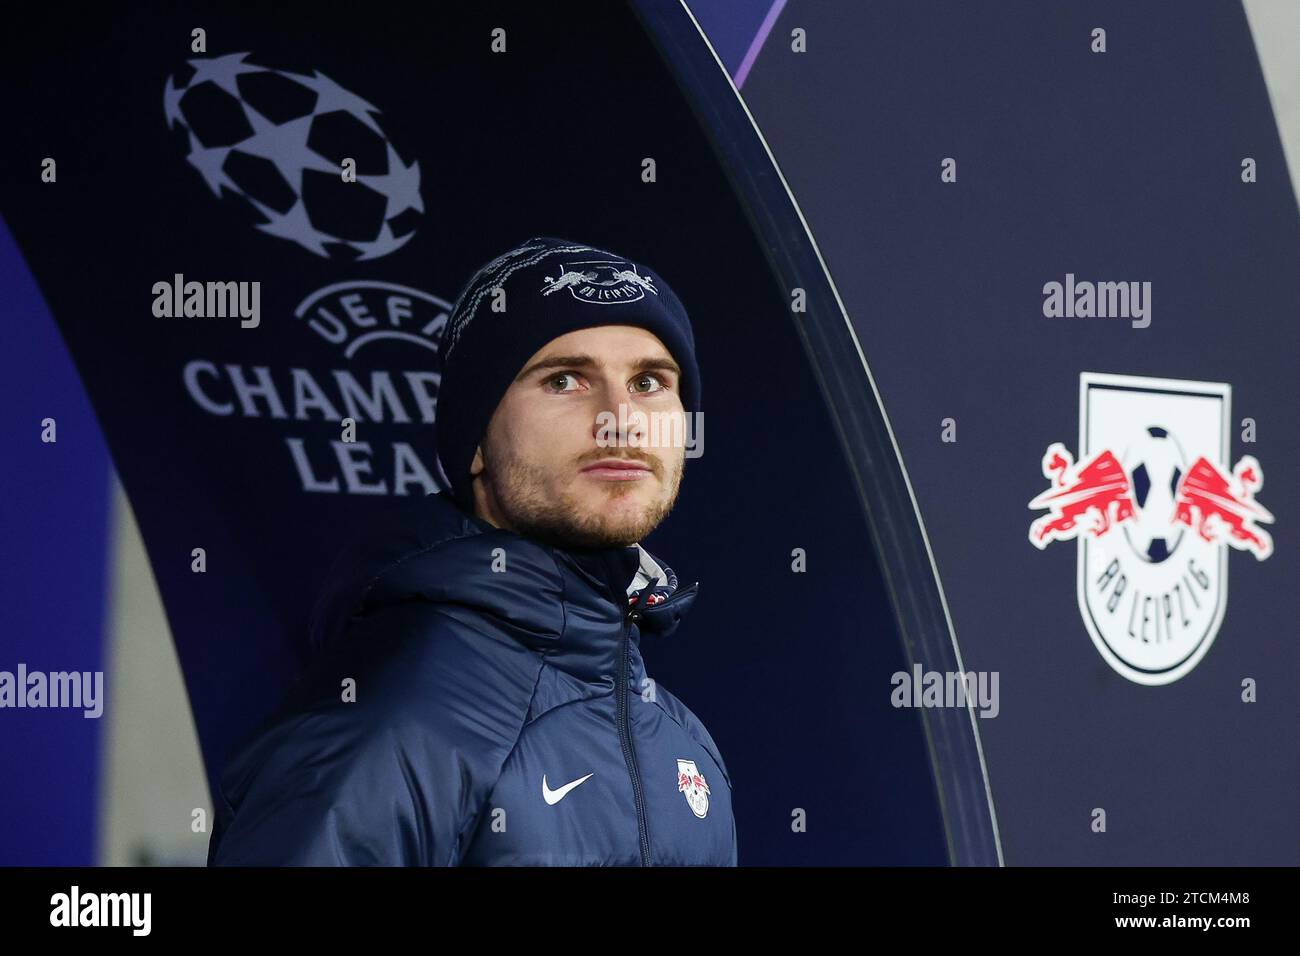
[(538, 470)]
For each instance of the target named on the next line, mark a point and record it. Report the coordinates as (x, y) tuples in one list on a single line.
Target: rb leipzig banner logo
[(1154, 508)]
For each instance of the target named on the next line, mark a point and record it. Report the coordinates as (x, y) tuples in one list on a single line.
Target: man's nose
[(617, 421)]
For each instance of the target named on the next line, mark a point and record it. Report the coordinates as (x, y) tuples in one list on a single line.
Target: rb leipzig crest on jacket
[(1154, 506), (691, 783)]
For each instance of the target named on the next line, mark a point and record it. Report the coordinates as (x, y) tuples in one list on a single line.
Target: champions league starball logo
[(277, 141), (1154, 508)]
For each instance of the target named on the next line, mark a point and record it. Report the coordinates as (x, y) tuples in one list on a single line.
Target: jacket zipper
[(625, 735)]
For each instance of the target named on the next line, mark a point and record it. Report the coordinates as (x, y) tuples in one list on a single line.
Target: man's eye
[(655, 382), (559, 379)]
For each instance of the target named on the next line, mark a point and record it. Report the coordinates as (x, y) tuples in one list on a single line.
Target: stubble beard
[(517, 490)]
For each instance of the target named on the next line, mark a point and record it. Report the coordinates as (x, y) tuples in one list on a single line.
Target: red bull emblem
[(1098, 493), (1153, 510), (691, 783), (1220, 508)]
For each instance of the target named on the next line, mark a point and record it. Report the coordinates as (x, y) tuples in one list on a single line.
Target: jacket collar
[(572, 604)]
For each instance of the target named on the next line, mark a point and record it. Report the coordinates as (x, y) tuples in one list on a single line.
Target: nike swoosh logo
[(555, 796)]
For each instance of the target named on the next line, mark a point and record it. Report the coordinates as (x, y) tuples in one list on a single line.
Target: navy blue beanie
[(552, 287)]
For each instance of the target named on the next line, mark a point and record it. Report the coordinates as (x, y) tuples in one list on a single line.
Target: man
[(480, 696)]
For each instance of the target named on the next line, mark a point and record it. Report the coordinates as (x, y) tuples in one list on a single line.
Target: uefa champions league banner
[(249, 228)]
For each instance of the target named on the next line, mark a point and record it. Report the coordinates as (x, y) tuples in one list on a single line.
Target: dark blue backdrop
[(1116, 166), (548, 139)]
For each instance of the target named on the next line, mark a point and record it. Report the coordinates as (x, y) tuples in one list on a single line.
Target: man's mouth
[(618, 469)]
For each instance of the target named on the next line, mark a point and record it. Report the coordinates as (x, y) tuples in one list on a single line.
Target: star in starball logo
[(1154, 507)]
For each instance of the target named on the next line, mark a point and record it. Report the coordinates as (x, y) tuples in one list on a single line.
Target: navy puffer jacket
[(502, 715)]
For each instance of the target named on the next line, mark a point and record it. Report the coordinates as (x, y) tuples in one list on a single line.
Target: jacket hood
[(569, 601)]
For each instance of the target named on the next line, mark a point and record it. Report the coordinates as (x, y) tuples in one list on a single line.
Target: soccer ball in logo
[(276, 141), (1155, 465)]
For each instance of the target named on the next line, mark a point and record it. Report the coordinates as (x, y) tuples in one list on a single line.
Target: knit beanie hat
[(552, 287)]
